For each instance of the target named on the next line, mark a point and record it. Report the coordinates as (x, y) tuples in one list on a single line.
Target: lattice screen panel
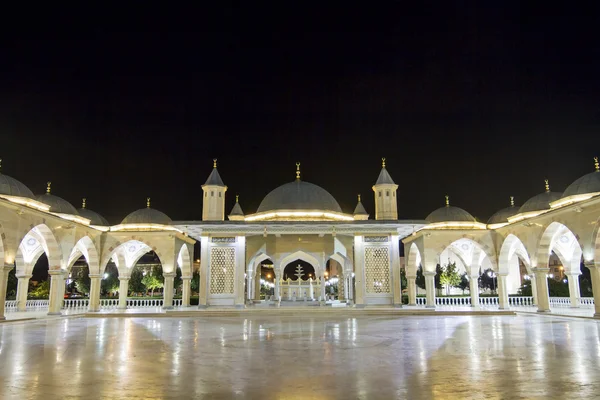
[(222, 270), (377, 269), (340, 287)]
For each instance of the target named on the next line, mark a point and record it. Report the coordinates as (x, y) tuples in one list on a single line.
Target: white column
[(359, 268), (249, 285), (168, 290), (395, 265), (240, 269), (502, 292), (256, 292), (595, 277), (123, 289), (574, 293), (204, 275), (541, 280), (22, 288), (57, 291), (276, 275), (186, 290), (323, 289), (474, 290), (95, 282), (4, 271), (534, 289), (430, 288), (412, 290)]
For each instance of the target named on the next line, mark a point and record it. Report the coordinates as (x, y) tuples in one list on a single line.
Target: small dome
[(12, 187), (589, 183), (299, 195), (501, 217), (147, 216), (94, 217), (449, 214), (540, 202), (57, 204)]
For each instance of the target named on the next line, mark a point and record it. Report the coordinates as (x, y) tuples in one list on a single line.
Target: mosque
[(302, 221)]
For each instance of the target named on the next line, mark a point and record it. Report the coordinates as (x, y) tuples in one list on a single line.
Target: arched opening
[(299, 281), (82, 262), (37, 253), (514, 262), (265, 279)]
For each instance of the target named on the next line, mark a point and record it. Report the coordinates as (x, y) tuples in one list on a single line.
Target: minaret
[(386, 206), (213, 203), (360, 214), (236, 213)]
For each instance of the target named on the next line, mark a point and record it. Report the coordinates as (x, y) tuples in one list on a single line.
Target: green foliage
[(135, 281), (153, 279), (81, 279), (420, 279), (177, 281), (438, 276), (41, 291), (449, 276), (110, 284), (195, 284), (403, 281), (487, 282), (464, 283), (11, 286)]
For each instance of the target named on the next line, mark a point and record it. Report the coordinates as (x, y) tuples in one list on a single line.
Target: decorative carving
[(222, 269), (377, 269)]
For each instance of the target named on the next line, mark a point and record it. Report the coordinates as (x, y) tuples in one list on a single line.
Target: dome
[(299, 195), (147, 216), (57, 204), (12, 187), (449, 214), (501, 217), (94, 217), (589, 183), (540, 202)]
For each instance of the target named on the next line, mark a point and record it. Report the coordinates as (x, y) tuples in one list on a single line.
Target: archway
[(183, 275), (513, 257), (311, 289), (299, 281)]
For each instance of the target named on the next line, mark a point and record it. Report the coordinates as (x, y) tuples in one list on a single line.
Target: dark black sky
[(479, 101)]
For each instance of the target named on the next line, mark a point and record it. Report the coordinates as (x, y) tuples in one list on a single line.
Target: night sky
[(478, 101)]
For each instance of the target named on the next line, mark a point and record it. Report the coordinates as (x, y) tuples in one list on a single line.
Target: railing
[(520, 301), (109, 304), (488, 301), (76, 303), (560, 302), (453, 301), (37, 303), (513, 301), (10, 305), (586, 301)]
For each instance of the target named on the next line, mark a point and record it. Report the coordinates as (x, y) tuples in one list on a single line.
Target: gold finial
[(237, 198), (83, 203), (512, 201), (214, 163), (297, 170), (359, 197), (48, 187), (0, 164), (148, 202), (447, 200), (383, 162), (595, 163), (547, 185)]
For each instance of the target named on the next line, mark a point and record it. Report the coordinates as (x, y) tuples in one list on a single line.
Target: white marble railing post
[(541, 280), (412, 290), (502, 292), (277, 288), (474, 290), (168, 290), (4, 271), (430, 288), (595, 277), (123, 289), (22, 288), (95, 282), (186, 290), (57, 291), (574, 293)]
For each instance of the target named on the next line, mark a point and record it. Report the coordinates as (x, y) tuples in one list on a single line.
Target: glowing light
[(456, 225), (142, 227), (572, 199), (299, 214), (27, 202), (105, 275)]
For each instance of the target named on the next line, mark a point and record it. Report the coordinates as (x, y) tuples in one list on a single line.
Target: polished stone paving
[(304, 357)]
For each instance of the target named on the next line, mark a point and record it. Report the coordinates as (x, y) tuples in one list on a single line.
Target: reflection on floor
[(319, 357)]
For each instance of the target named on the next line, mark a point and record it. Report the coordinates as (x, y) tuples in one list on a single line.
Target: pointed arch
[(473, 253), (37, 241), (558, 238), (85, 247), (300, 255), (413, 261), (184, 260)]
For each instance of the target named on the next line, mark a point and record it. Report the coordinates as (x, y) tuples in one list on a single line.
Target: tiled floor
[(267, 357)]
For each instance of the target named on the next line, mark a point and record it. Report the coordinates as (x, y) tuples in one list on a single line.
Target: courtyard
[(301, 357)]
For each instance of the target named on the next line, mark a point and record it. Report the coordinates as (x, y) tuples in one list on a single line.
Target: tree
[(110, 282), (81, 279), (195, 284), (135, 281), (41, 291), (464, 283), (488, 282), (420, 279), (11, 286), (403, 281), (449, 276), (153, 279)]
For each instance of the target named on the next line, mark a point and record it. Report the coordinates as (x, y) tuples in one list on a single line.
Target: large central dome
[(299, 195)]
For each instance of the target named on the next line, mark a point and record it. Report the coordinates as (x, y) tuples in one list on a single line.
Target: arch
[(558, 238), (119, 246), (511, 251), (473, 253), (37, 241), (300, 255), (461, 257), (85, 247), (184, 260), (413, 261)]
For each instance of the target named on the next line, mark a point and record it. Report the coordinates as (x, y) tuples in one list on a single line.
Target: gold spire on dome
[(83, 202), (447, 200), (148, 202), (512, 201), (359, 197), (596, 165), (547, 185), (48, 187), (297, 170), (382, 162), (0, 164), (237, 198), (214, 163)]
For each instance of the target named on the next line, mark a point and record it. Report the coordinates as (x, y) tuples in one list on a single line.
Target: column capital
[(169, 274), (504, 274), (22, 276), (187, 278), (95, 276), (124, 277), (573, 273), (540, 270), (411, 277), (55, 272), (8, 267), (429, 273), (592, 264)]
